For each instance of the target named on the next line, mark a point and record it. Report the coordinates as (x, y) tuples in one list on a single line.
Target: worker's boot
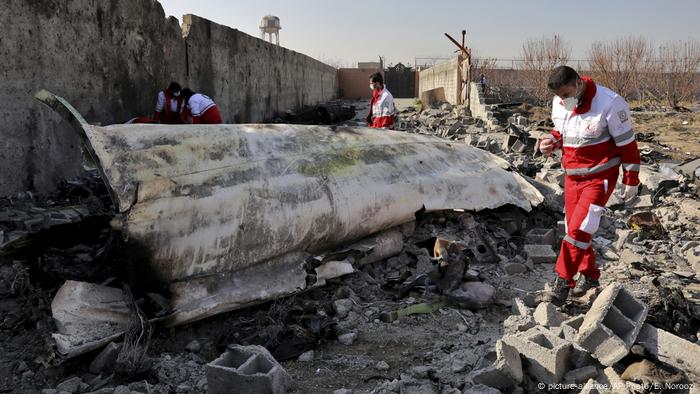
[(583, 284), (557, 292)]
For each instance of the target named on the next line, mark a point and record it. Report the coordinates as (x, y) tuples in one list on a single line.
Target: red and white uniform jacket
[(203, 110), (168, 108), (381, 110), (597, 136)]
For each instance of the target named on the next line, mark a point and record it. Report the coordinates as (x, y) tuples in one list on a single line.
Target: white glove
[(629, 193)]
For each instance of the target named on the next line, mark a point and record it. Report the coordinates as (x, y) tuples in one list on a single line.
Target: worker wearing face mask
[(169, 105), (381, 108), (593, 127)]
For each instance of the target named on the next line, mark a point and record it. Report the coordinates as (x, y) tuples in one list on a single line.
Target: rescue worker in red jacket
[(381, 108), (593, 127), (201, 108), (169, 105)]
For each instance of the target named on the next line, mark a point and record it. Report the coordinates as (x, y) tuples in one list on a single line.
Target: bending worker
[(381, 108), (593, 127), (201, 108)]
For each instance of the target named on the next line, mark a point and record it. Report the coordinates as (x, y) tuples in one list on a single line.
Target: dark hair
[(174, 87), (377, 77), (562, 76), (186, 93)]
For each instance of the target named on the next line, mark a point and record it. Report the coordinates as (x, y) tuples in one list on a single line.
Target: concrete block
[(569, 328), (519, 308), (580, 357), (517, 323), (249, 369), (540, 236), (671, 349), (611, 326), (506, 370), (540, 253), (574, 322), (512, 268), (347, 339), (548, 355), (546, 314)]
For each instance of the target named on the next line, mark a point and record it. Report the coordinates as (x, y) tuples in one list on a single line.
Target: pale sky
[(345, 32)]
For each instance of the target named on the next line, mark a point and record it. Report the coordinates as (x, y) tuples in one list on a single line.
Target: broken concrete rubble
[(671, 349), (547, 315), (505, 370), (515, 323), (459, 337)]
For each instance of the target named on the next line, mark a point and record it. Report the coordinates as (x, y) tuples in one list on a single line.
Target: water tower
[(270, 24)]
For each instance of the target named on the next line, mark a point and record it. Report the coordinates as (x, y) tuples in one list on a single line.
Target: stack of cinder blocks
[(246, 369)]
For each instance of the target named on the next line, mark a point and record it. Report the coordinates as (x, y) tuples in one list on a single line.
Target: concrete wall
[(478, 106), (110, 58), (353, 83), (251, 79), (445, 75)]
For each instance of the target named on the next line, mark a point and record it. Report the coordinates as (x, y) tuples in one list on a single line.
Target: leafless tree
[(483, 65), (539, 58), (618, 64), (679, 63), (648, 84)]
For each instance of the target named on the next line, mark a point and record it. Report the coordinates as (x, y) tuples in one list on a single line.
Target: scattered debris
[(429, 298)]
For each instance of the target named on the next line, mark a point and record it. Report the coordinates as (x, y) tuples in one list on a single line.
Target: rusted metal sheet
[(227, 215)]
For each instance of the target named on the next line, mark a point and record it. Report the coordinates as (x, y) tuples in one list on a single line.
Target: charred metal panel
[(205, 202)]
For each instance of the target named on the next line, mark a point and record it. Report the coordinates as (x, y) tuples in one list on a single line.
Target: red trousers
[(584, 205), (210, 116)]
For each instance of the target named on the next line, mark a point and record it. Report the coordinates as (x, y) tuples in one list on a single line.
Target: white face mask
[(371, 86), (570, 103), (176, 94)]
